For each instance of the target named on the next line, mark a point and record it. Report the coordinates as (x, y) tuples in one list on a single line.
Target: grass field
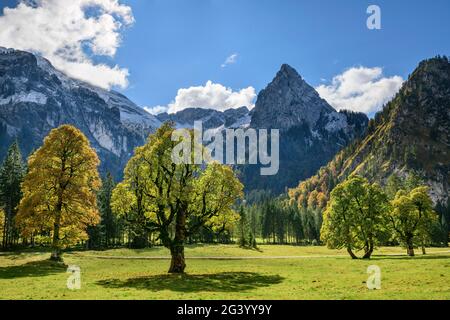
[(273, 272)]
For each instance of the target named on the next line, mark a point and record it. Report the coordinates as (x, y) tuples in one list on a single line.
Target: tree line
[(277, 220), (60, 200)]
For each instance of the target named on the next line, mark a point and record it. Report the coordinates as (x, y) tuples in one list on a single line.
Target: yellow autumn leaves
[(59, 190)]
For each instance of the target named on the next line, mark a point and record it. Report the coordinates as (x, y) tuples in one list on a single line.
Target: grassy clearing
[(235, 251), (318, 273)]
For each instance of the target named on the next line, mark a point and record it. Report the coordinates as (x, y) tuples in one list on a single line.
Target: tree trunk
[(368, 250), (178, 263), (410, 250), (7, 229), (424, 251), (4, 233), (350, 252), (56, 250), (140, 241)]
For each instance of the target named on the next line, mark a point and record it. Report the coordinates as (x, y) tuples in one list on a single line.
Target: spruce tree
[(11, 175), (109, 220), (243, 228), (104, 234)]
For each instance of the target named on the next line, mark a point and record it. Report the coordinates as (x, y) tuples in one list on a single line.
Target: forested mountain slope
[(411, 134)]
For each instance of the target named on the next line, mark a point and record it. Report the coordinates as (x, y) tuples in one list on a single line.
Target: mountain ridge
[(210, 118), (411, 134), (35, 98)]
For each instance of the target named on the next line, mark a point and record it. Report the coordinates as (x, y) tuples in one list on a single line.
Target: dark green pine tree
[(104, 234), (12, 172), (243, 228), (109, 220)]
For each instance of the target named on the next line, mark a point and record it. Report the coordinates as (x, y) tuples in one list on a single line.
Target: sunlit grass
[(235, 251), (310, 273)]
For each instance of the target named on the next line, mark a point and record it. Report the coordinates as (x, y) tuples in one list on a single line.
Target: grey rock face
[(211, 119), (289, 101), (311, 131), (35, 98)]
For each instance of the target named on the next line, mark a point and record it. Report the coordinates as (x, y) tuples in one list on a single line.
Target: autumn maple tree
[(355, 217), (59, 190), (175, 200), (412, 217)]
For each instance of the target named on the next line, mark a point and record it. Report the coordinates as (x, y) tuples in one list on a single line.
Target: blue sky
[(177, 44)]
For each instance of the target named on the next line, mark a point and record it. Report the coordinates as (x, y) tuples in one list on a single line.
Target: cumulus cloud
[(230, 60), (360, 89), (70, 33), (210, 96)]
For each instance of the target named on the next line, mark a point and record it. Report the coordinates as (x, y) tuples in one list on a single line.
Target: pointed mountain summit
[(289, 101), (312, 132)]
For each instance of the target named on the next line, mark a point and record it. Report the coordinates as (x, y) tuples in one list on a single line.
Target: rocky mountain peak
[(288, 72), (289, 101), (422, 102), (35, 97)]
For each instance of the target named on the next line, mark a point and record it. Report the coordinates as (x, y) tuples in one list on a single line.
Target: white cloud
[(64, 31), (360, 89), (210, 96), (230, 60), (156, 110)]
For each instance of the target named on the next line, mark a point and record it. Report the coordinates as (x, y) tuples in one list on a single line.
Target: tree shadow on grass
[(13, 256), (32, 269), (224, 282)]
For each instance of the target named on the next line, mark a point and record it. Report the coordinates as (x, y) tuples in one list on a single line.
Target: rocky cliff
[(35, 98)]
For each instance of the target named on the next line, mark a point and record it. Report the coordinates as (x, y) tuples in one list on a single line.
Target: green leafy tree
[(338, 230), (60, 189), (412, 217), (356, 216), (12, 172), (176, 200)]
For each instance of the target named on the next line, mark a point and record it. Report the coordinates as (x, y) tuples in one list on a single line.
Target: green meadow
[(227, 272)]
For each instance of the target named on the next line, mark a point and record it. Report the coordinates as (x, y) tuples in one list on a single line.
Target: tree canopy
[(412, 217), (59, 190), (355, 218), (175, 199)]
